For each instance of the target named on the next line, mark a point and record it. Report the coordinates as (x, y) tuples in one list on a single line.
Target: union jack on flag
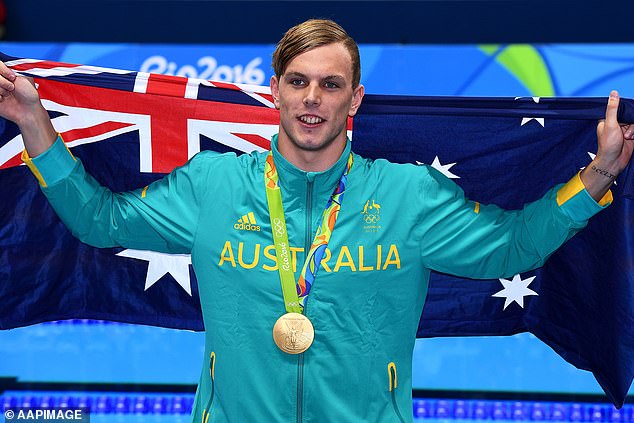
[(130, 128), (169, 121)]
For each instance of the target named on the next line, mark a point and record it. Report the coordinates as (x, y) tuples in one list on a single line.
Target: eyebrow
[(335, 77), (294, 74)]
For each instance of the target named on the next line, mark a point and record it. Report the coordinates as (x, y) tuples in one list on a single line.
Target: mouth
[(311, 119)]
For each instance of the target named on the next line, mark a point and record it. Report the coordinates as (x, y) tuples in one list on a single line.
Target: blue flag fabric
[(130, 128)]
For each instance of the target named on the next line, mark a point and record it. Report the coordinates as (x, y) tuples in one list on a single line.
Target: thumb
[(612, 108)]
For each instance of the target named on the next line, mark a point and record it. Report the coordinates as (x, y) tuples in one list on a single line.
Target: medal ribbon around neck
[(295, 293)]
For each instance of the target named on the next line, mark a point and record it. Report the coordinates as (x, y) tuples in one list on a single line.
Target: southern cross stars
[(444, 169), (525, 120), (160, 264), (515, 290)]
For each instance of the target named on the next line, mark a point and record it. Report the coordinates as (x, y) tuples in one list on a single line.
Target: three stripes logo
[(247, 223)]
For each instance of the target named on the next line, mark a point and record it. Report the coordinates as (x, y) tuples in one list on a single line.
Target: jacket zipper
[(207, 409), (300, 387), (300, 358), (391, 374)]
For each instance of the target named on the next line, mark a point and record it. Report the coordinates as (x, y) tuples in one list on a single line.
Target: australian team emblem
[(371, 216)]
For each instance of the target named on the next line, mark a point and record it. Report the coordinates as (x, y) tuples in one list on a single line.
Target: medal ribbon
[(295, 293)]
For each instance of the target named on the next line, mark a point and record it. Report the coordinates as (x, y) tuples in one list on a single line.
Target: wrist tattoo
[(603, 172)]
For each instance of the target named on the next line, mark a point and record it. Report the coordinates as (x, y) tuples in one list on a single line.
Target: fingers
[(628, 132), (7, 78), (612, 108), (6, 88), (6, 72)]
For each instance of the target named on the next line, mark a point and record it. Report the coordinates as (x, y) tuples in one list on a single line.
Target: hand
[(18, 96), (616, 141), (20, 103)]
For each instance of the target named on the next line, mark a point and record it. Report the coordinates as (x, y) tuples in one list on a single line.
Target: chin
[(312, 144), (316, 139)]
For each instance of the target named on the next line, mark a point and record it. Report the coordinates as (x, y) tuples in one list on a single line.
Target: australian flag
[(130, 128)]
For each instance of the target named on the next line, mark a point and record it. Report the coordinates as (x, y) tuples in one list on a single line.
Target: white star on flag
[(539, 120), (444, 169), (161, 264), (535, 99), (515, 290), (528, 119)]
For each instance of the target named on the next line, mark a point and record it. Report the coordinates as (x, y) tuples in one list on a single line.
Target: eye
[(298, 82), (331, 84)]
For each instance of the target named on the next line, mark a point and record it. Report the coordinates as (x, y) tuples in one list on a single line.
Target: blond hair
[(311, 34)]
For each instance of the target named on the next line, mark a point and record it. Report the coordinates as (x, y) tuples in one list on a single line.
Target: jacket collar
[(292, 178)]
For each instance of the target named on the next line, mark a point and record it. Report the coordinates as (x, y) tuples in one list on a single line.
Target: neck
[(311, 160)]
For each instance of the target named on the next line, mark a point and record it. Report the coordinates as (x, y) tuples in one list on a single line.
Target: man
[(308, 320)]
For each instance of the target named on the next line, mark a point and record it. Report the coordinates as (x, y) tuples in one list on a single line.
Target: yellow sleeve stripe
[(28, 161), (391, 375), (476, 208), (34, 170), (212, 358), (144, 192), (574, 187), (606, 199)]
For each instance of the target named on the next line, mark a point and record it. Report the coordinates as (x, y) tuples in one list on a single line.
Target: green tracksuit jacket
[(397, 223)]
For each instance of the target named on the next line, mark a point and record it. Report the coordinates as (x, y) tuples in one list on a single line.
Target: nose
[(312, 95)]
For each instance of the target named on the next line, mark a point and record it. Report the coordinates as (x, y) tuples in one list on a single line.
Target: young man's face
[(315, 98)]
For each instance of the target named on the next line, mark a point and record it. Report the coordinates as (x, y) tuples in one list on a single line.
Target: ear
[(357, 97), (275, 91)]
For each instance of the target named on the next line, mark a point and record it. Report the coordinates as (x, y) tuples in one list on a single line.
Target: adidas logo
[(247, 223)]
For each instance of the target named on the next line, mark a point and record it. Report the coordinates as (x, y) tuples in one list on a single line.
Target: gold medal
[(293, 333)]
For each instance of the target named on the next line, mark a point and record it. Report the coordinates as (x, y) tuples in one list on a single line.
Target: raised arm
[(616, 143), (20, 103), (161, 217), (483, 241)]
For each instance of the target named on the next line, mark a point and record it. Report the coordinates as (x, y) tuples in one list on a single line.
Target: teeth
[(311, 120)]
